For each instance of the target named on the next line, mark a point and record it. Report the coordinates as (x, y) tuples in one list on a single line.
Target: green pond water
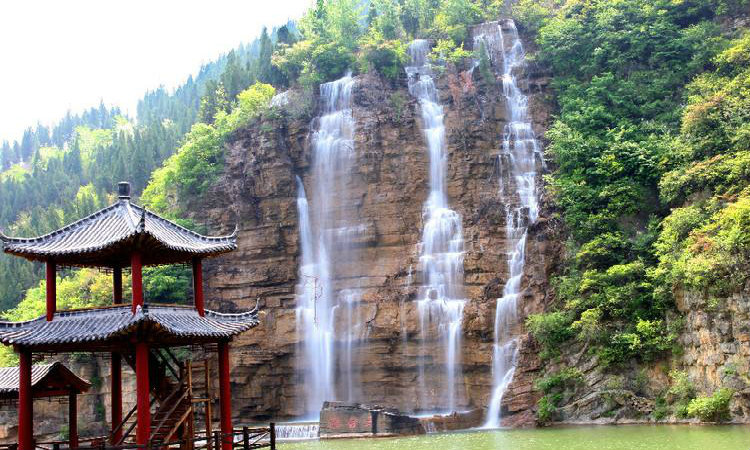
[(624, 437)]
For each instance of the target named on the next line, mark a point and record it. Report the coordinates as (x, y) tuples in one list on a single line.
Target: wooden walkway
[(244, 438)]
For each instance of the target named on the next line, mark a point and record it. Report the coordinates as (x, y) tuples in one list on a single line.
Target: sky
[(58, 55)]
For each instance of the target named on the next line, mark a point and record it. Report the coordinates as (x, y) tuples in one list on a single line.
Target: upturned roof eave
[(204, 246), (90, 253), (144, 323)]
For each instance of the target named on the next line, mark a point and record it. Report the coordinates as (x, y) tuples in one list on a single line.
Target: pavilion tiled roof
[(9, 377), (104, 326), (107, 238)]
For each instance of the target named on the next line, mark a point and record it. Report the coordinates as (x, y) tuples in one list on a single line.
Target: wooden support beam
[(116, 394), (51, 289), (190, 428), (117, 285), (142, 433), (136, 275), (25, 403), (73, 420), (225, 397), (198, 286), (209, 402)]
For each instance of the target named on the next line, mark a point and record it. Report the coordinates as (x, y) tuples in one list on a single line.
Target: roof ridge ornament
[(123, 190), (142, 222)]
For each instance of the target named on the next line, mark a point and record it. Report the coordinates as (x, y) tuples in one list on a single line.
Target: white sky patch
[(57, 55)]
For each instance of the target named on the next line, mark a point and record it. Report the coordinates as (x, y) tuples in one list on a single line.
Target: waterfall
[(441, 300), (318, 335), (327, 314), (297, 431), (518, 162)]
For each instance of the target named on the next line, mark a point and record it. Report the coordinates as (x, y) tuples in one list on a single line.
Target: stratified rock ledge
[(347, 420)]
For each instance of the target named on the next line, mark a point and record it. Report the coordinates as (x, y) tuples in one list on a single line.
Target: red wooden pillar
[(137, 279), (73, 419), (198, 286), (225, 399), (51, 289), (116, 393), (115, 387), (142, 394), (117, 285), (25, 404)]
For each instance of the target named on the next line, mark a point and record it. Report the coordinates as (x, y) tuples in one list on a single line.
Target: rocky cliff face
[(714, 350), (716, 344), (388, 188)]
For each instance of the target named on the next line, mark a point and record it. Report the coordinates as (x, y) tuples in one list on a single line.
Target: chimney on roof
[(123, 190)]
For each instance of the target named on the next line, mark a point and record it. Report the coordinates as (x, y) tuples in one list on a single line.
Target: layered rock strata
[(388, 186)]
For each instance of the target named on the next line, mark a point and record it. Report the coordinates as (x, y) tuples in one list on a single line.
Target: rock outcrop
[(713, 350), (716, 345), (341, 420)]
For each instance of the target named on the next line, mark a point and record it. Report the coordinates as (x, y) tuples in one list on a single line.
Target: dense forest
[(649, 150)]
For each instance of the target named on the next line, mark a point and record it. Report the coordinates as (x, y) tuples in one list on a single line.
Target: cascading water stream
[(518, 173), (326, 314), (442, 299), (318, 341)]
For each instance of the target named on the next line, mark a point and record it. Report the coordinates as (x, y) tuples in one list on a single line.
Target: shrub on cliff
[(715, 256), (550, 330), (453, 19), (546, 408), (714, 408), (196, 164), (555, 386), (704, 245), (387, 57), (566, 378)]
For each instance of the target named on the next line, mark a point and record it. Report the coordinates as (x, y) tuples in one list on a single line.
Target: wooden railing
[(245, 438)]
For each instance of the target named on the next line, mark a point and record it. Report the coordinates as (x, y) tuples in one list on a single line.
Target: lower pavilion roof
[(114, 326), (46, 380)]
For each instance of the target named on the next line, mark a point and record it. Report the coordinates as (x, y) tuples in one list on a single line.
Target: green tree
[(214, 101), (265, 74)]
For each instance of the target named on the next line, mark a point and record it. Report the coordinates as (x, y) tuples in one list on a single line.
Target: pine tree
[(5, 156), (285, 36), (264, 58), (28, 146), (16, 153), (72, 160), (214, 101), (234, 76)]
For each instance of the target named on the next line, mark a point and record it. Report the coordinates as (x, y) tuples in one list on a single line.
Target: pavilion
[(47, 381), (116, 238)]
